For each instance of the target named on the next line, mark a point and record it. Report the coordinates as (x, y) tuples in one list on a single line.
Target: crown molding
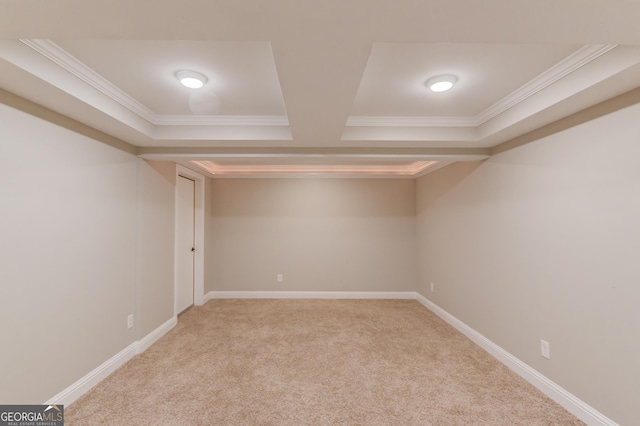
[(56, 54), (68, 62), (571, 63), (223, 120), (399, 121)]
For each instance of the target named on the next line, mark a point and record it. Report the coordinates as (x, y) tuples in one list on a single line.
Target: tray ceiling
[(320, 89)]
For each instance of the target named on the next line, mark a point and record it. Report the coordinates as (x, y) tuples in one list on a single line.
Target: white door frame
[(198, 269)]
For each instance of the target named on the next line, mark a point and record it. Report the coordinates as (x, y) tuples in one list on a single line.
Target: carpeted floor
[(314, 362)]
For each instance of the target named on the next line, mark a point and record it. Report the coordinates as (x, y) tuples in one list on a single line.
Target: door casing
[(198, 273)]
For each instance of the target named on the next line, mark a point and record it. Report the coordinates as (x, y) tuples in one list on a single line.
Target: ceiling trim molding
[(433, 168), (56, 54), (326, 163), (576, 60), (399, 154), (223, 120), (408, 170), (399, 121), (65, 60), (571, 63)]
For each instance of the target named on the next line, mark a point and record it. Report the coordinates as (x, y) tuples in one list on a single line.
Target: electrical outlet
[(280, 278), (545, 350), (432, 287), (130, 321)]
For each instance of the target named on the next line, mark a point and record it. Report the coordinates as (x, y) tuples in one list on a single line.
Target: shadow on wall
[(442, 181), (603, 108), (58, 119)]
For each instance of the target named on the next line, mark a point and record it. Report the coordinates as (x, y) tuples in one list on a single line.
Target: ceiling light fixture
[(441, 83), (191, 79)]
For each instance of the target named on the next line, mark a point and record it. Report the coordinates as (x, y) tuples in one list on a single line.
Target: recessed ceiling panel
[(393, 83), (242, 77)]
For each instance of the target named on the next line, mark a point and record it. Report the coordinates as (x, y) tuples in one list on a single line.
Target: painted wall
[(320, 234), (543, 242), (68, 271), (155, 300)]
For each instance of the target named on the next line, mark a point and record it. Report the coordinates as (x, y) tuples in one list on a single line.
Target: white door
[(185, 243)]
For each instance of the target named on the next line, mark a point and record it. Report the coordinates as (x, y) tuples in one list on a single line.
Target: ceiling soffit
[(389, 169)]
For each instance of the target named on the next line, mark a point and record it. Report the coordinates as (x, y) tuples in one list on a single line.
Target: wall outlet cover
[(545, 350)]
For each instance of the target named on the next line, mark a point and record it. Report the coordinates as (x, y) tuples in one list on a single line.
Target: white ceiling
[(324, 88)]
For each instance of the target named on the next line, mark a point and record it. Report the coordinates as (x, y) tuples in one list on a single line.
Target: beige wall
[(321, 234), (68, 271), (543, 242), (155, 300)]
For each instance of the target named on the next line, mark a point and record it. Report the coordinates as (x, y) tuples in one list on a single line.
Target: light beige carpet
[(314, 362)]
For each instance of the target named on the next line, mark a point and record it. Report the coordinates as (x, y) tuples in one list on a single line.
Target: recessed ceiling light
[(441, 83), (191, 79)]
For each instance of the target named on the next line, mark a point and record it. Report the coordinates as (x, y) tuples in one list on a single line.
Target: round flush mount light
[(441, 83), (191, 79)]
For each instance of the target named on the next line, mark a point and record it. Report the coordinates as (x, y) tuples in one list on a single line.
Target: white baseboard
[(82, 386), (310, 295), (207, 297), (570, 402), (79, 388), (148, 340)]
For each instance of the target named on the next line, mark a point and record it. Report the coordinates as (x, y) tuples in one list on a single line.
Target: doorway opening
[(189, 240)]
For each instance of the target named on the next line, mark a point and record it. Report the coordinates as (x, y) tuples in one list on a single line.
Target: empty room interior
[(474, 163)]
